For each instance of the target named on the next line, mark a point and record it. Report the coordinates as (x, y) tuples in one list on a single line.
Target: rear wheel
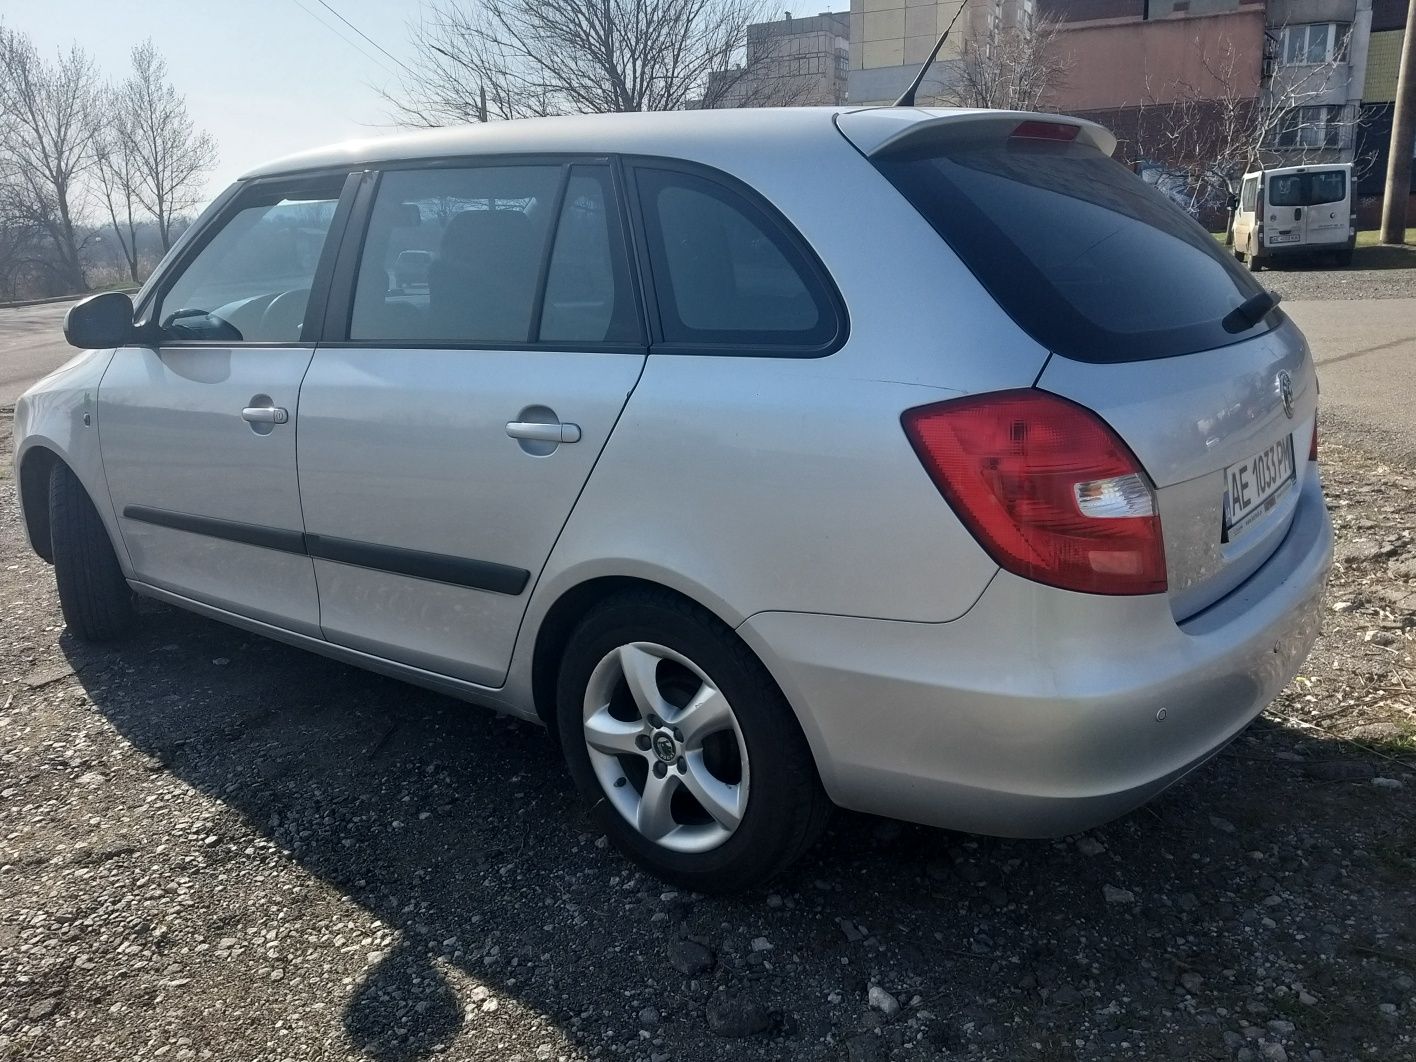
[(93, 595), (682, 743), (1256, 262), (1343, 259)]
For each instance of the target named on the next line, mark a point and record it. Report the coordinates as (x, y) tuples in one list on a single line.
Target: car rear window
[(1307, 189), (1085, 256)]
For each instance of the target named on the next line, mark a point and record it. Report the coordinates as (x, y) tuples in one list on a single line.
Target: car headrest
[(475, 232)]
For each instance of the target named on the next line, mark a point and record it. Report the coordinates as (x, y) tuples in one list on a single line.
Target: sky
[(265, 77)]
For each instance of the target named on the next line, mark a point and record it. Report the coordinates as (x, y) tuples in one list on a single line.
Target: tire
[(97, 604), (1255, 263), (1343, 259), (756, 765), (1239, 255)]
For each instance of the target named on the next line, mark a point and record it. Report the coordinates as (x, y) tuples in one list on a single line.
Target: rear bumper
[(1042, 712), (1299, 250)]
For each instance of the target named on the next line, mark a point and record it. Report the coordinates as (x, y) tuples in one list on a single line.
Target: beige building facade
[(891, 38)]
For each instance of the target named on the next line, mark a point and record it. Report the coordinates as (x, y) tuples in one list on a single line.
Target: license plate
[(1254, 487), (1283, 237)]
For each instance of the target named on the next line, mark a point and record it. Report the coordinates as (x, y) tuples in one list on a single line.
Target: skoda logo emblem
[(1285, 392), (664, 747)]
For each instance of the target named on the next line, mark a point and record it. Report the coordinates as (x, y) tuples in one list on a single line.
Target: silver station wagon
[(920, 462)]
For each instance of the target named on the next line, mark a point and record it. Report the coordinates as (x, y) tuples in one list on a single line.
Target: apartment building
[(891, 38), (1377, 106), (790, 62)]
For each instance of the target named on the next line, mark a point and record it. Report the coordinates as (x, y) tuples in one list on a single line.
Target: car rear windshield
[(1085, 256), (1307, 189)]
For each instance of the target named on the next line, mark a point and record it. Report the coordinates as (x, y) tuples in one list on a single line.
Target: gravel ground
[(212, 846), (1378, 273)]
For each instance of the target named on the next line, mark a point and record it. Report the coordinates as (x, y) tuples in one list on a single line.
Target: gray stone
[(1340, 771), (690, 958), (883, 1001), (733, 1017)]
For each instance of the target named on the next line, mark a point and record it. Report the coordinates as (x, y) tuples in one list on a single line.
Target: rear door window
[(1080, 252), (1329, 186), (589, 296), (454, 255), (1307, 189), (1286, 190), (726, 274)]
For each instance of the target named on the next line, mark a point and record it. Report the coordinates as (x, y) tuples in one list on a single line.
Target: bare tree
[(46, 137), (1204, 137), (169, 156), (516, 58), (1009, 66), (117, 173)]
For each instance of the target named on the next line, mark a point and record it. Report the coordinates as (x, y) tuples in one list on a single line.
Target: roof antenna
[(907, 98)]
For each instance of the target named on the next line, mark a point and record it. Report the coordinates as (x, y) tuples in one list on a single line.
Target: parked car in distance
[(1296, 212), (968, 482), (410, 270)]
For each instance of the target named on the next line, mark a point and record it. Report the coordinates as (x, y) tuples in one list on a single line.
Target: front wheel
[(680, 740), (93, 595)]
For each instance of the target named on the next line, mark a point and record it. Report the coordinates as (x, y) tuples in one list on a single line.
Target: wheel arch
[(572, 604), (35, 468)]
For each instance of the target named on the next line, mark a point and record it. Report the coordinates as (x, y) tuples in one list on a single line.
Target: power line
[(335, 30), (361, 33)]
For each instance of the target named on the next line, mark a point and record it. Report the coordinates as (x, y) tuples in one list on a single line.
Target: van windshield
[(1307, 189), (1085, 256)]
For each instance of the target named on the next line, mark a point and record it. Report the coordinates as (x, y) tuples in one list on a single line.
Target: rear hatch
[(1137, 304), (1311, 205)]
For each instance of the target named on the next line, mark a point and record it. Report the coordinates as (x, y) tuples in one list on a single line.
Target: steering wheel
[(212, 327), (284, 316)]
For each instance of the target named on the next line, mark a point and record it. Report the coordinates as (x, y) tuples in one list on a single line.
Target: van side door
[(1245, 218), (488, 337)]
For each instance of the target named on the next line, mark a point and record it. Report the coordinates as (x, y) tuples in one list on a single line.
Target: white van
[(1295, 210)]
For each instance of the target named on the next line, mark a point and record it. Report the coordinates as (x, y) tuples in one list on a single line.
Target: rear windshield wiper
[(1249, 312)]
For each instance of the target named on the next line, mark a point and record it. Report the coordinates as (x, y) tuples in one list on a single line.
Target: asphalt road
[(1365, 348), (31, 344), (1366, 355)]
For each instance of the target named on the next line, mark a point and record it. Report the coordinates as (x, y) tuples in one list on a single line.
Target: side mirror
[(103, 320)]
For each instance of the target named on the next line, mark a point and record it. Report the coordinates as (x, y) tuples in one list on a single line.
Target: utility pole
[(1403, 139)]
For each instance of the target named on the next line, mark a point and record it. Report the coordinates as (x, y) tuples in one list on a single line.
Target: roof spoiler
[(882, 132)]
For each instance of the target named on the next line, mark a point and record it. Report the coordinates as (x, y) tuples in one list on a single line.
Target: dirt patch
[(213, 846)]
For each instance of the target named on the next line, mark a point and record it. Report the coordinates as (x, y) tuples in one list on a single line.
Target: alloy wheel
[(666, 747)]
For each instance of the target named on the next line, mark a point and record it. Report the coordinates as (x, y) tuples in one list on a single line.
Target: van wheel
[(1238, 254), (93, 595), (1343, 259), (1255, 262), (687, 752)]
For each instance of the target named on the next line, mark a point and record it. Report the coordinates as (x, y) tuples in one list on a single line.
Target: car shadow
[(460, 832)]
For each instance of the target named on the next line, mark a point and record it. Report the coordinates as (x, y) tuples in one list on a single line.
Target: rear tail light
[(1046, 487)]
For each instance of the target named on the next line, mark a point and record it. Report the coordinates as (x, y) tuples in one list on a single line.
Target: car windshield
[(1090, 260)]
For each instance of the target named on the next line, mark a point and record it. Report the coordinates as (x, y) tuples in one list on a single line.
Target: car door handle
[(265, 415), (535, 431)]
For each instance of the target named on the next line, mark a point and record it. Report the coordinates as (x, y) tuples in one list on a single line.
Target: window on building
[(1312, 127), (1313, 43)]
